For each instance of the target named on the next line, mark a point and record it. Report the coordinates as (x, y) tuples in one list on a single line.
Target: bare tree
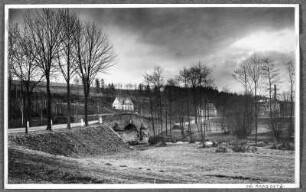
[(205, 81), (271, 74), (291, 73), (198, 78), (242, 76), (95, 54), (254, 71), (147, 80), (171, 83), (23, 65), (66, 57), (46, 33), (183, 77), (156, 79)]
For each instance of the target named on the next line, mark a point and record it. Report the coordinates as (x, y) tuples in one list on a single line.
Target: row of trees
[(195, 80), (256, 73), (51, 41), (259, 76)]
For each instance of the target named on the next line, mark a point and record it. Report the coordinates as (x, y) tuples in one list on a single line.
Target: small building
[(121, 103), (264, 107), (211, 110)]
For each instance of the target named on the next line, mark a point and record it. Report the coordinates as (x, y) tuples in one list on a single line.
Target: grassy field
[(175, 163)]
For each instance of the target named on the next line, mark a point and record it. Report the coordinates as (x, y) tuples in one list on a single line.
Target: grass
[(175, 163), (96, 155)]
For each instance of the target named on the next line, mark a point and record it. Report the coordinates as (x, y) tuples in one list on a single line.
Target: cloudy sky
[(176, 37)]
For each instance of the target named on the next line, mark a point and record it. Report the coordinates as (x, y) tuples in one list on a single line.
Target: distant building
[(211, 110), (264, 107), (125, 104)]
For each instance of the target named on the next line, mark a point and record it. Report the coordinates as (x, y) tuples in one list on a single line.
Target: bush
[(285, 146), (221, 149), (156, 139), (239, 148), (160, 144), (133, 142), (244, 148), (191, 140)]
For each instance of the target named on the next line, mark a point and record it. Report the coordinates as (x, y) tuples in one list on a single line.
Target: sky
[(174, 38)]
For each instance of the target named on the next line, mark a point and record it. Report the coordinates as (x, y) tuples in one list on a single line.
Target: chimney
[(274, 92)]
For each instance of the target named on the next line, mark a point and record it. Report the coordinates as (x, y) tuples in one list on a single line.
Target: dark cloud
[(176, 37), (186, 32)]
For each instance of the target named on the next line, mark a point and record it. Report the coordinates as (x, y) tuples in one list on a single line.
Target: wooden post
[(27, 127)]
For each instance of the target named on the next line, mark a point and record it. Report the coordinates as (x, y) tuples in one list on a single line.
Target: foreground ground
[(174, 163)]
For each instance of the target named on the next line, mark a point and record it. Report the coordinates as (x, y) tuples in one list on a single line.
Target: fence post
[(27, 127), (100, 120), (82, 122)]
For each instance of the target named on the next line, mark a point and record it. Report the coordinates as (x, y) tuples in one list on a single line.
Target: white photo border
[(296, 184)]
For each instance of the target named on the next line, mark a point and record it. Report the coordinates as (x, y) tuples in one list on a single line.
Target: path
[(42, 128)]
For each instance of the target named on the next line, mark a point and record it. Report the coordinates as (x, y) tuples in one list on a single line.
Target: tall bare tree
[(241, 75), (147, 81), (183, 77), (271, 74), (66, 57), (95, 54), (254, 71), (46, 33), (204, 81), (23, 65), (156, 79), (291, 73)]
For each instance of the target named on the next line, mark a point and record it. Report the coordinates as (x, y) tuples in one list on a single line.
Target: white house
[(125, 104), (211, 110)]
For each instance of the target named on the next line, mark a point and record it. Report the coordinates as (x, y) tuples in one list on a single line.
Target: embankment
[(78, 142)]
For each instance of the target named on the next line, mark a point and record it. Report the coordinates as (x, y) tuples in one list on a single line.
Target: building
[(211, 111), (125, 104), (264, 107)]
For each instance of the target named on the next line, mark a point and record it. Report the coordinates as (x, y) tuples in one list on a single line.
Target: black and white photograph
[(106, 96)]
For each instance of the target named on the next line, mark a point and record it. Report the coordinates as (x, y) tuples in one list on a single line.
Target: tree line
[(239, 113), (55, 41), (259, 72)]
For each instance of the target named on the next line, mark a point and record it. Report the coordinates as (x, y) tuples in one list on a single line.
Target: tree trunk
[(49, 103), (170, 113), (195, 105), (291, 128), (160, 111), (152, 118), (86, 94), (68, 106), (166, 122), (29, 109), (256, 115)]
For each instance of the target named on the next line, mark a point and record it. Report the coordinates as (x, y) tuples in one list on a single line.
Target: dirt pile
[(79, 142)]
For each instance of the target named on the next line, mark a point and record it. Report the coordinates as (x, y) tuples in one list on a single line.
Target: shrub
[(156, 139), (244, 148), (133, 142), (221, 149), (191, 140)]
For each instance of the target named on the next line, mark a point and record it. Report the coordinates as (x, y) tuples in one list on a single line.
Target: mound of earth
[(79, 142)]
